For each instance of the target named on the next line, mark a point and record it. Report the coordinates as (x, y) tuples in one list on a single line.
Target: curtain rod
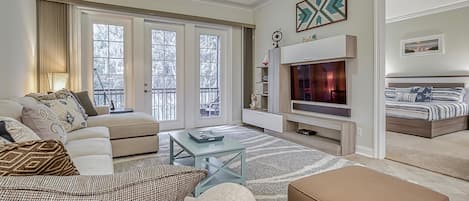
[(148, 12)]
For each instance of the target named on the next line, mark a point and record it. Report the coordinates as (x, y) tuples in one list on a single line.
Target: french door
[(210, 77), (164, 74), (181, 92)]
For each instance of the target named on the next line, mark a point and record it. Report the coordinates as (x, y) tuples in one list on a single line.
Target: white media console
[(280, 120)]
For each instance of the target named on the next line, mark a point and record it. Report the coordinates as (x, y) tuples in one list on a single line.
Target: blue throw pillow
[(424, 94)]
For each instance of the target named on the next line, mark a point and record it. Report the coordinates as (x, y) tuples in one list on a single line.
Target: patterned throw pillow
[(406, 97), (17, 131), (62, 94), (424, 94), (43, 157), (42, 120), (68, 112)]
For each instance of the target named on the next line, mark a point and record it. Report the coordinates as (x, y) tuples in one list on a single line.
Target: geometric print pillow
[(17, 131), (43, 157), (424, 94), (69, 113)]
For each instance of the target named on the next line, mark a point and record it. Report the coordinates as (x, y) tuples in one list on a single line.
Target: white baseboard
[(237, 123), (365, 151)]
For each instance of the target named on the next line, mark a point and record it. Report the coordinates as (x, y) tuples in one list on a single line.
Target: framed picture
[(429, 45), (312, 13)]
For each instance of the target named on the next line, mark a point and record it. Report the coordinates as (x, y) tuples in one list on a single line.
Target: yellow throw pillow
[(68, 112)]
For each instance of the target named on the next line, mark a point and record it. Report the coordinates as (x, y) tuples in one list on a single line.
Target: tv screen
[(324, 82)]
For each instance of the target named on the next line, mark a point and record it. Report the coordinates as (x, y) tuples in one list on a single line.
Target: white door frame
[(225, 79), (379, 126), (180, 72)]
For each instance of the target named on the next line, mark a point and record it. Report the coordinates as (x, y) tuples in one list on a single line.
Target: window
[(210, 75), (108, 65)]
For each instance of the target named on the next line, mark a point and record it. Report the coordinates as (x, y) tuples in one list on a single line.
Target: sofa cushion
[(94, 165), (90, 132), (11, 109), (43, 157), (90, 146), (127, 125)]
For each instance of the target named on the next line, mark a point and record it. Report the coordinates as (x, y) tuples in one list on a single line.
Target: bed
[(427, 119)]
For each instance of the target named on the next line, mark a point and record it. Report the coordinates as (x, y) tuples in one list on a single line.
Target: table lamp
[(57, 81)]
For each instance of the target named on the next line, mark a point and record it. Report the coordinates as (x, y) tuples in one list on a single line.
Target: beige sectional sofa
[(130, 133), (107, 136), (92, 150)]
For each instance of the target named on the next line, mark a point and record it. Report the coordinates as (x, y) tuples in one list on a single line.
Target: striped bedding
[(430, 111)]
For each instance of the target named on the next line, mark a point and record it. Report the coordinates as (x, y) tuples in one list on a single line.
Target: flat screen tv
[(324, 82)]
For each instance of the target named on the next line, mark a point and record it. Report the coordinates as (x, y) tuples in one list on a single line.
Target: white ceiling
[(402, 8), (247, 4)]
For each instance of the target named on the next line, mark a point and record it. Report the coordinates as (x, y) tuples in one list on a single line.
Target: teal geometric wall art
[(315, 13)]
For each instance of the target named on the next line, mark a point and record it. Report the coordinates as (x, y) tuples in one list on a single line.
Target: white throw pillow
[(69, 113)]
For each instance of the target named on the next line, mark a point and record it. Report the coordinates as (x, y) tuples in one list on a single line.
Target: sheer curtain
[(53, 41)]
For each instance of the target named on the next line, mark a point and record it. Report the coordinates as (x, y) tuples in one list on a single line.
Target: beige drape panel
[(248, 69), (53, 42)]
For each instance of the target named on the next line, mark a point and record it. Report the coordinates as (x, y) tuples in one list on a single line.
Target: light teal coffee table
[(207, 155)]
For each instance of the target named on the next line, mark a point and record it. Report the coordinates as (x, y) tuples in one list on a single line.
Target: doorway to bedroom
[(427, 76)]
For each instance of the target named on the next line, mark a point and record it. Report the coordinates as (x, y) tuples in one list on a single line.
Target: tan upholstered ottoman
[(358, 184)]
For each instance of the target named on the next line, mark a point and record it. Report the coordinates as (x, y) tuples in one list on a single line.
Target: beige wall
[(455, 61), (281, 14), (17, 47), (188, 7)]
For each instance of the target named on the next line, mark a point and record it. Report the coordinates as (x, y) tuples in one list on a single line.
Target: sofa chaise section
[(130, 133)]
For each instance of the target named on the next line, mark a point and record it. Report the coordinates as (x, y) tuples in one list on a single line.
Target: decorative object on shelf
[(265, 62), (422, 46), (265, 78), (253, 104), (311, 14), (310, 38), (57, 81), (306, 132), (277, 36)]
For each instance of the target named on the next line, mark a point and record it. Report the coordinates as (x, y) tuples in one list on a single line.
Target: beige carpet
[(448, 154)]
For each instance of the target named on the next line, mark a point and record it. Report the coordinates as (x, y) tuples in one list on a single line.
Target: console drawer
[(269, 121)]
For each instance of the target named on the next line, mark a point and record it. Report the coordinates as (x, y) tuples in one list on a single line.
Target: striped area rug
[(272, 163)]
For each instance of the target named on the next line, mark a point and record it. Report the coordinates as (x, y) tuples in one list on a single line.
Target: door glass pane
[(210, 76), (164, 75), (108, 65)]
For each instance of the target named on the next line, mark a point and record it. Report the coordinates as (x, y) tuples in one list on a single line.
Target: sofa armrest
[(102, 110), (225, 192), (165, 183)]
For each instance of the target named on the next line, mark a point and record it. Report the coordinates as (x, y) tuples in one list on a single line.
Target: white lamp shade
[(57, 81)]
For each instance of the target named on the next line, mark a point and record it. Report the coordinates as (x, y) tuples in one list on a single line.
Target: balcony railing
[(164, 102)]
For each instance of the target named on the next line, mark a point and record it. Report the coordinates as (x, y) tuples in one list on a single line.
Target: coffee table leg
[(243, 167), (171, 151), (198, 165)]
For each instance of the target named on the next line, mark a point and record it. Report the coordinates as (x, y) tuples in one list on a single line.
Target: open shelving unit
[(263, 88)]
